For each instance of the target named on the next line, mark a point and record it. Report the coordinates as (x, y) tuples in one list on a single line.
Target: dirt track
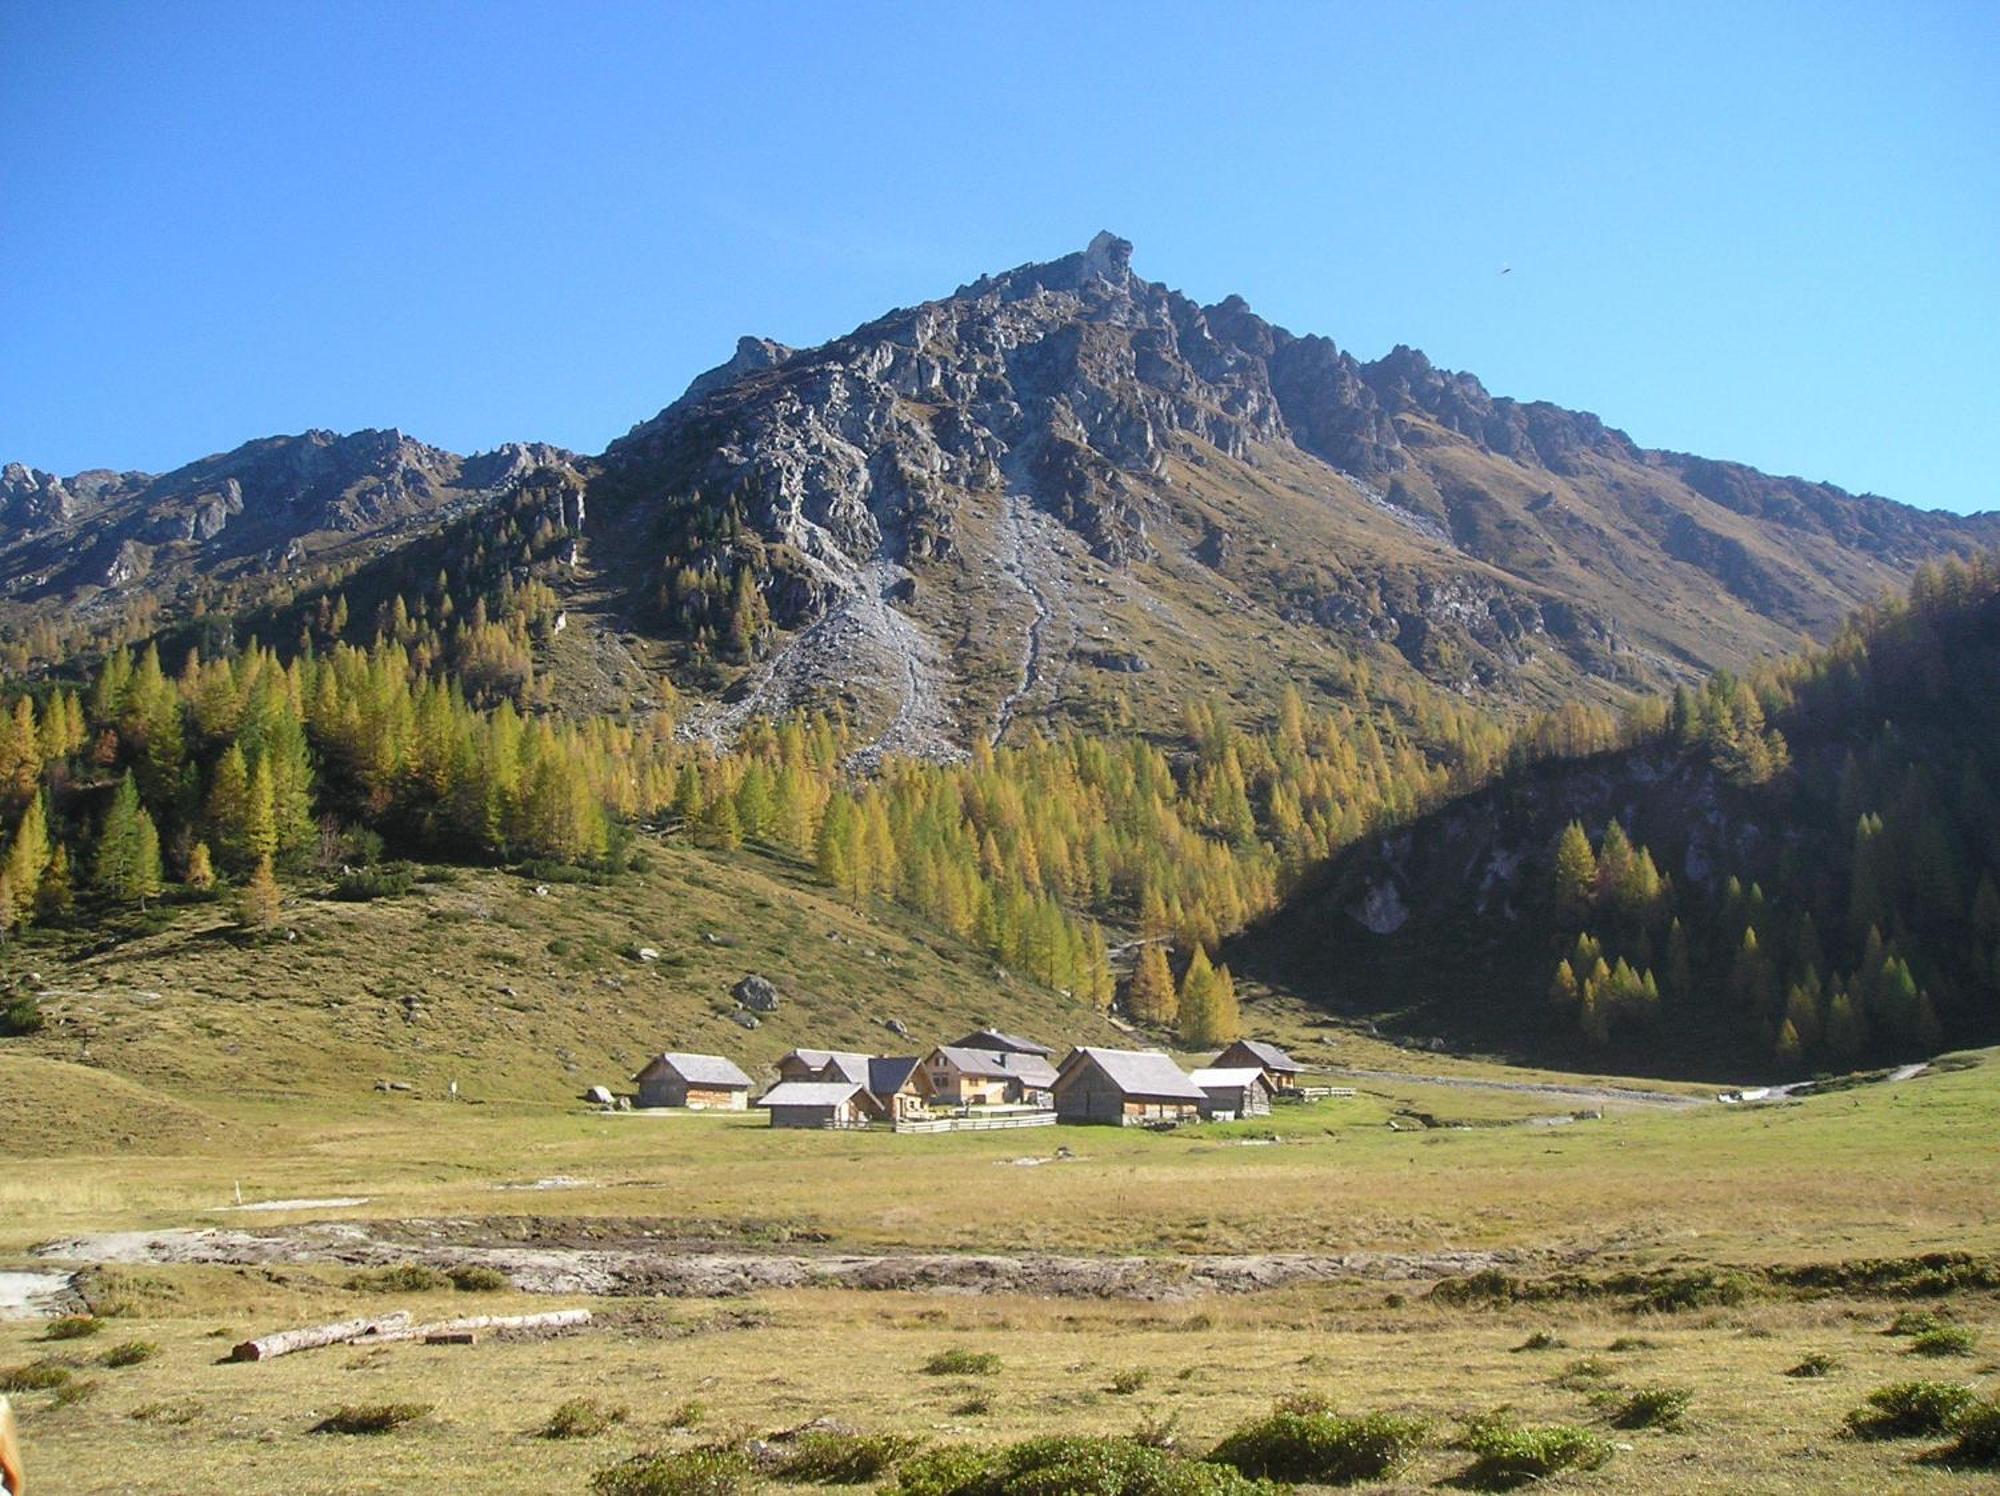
[(635, 1266)]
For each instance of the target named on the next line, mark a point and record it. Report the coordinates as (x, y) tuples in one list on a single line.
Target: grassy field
[(182, 1066)]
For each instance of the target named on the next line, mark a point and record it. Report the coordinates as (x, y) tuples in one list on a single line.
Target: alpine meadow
[(1069, 891)]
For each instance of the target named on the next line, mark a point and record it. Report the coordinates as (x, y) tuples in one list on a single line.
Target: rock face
[(266, 504), (1498, 546)]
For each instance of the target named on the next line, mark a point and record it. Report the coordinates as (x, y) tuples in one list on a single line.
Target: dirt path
[(635, 1267), (1629, 1095)]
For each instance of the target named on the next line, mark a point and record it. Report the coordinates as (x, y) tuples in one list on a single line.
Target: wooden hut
[(1281, 1071), (1233, 1093), (816, 1104), (824, 1064), (954, 1076), (699, 1082), (1003, 1043), (1125, 1088), (893, 1090)]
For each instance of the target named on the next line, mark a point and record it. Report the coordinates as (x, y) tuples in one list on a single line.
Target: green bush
[(370, 1418), (581, 1418), (1069, 1466), (73, 1327), (1633, 1343), (1654, 1407), (1126, 1382), (1978, 1442), (688, 1414), (1582, 1374), (130, 1353), (172, 1414), (833, 1459), (21, 1016), (945, 1470), (690, 1472), (1945, 1340), (473, 1277), (1818, 1364), (408, 1277), (1541, 1340), (1908, 1410), (1323, 1447), (1917, 1322), (73, 1392), (1700, 1288), (1507, 1454), (36, 1376), (960, 1362), (363, 884)]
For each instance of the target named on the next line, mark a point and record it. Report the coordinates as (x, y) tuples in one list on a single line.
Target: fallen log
[(553, 1319), (284, 1342), (453, 1337)]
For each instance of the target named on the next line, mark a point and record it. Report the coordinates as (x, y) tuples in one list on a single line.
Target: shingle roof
[(847, 1063), (1141, 1072), (1029, 1069), (1234, 1078), (988, 1038), (699, 1070), (889, 1074), (1268, 1055), (809, 1093)]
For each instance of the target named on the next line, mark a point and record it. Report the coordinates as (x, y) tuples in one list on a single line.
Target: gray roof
[(889, 1074), (1140, 1072), (988, 1038), (810, 1093), (1268, 1055), (1236, 1078), (1029, 1069), (699, 1070), (848, 1064)]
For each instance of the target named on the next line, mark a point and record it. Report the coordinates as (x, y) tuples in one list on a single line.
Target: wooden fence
[(975, 1124)]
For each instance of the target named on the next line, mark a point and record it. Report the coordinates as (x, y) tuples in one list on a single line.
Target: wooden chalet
[(824, 1064), (893, 1089), (699, 1082), (1233, 1093), (1125, 1088), (1002, 1043), (953, 1076), (816, 1103), (1281, 1071)]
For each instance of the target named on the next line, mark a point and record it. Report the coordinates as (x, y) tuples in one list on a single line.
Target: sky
[(1762, 232)]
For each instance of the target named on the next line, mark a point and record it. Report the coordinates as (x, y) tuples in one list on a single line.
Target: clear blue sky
[(1764, 232)]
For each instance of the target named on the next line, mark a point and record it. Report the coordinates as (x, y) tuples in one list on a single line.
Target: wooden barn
[(1233, 1093), (699, 1082), (1281, 1071), (1125, 1088), (996, 1041), (824, 1064), (952, 1076), (816, 1104)]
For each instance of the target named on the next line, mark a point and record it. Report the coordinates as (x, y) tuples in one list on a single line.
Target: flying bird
[(1506, 269)]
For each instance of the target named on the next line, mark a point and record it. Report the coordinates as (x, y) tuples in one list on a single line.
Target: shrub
[(1905, 1410), (979, 1402), (687, 1414), (473, 1277), (1702, 1288), (1583, 1374), (74, 1391), (129, 1353), (1978, 1443), (1323, 1447), (1507, 1454), (1065, 1466), (1541, 1340), (961, 1362), (73, 1327), (581, 1418), (1633, 1343), (36, 1376), (1654, 1407), (1818, 1364), (363, 884), (1130, 1380), (370, 1418), (691, 1472), (1917, 1322), (174, 1414), (21, 1016), (1945, 1340), (834, 1459), (408, 1277)]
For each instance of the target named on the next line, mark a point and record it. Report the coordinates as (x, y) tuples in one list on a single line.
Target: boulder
[(759, 994), (598, 1096), (897, 1027), (746, 1019)]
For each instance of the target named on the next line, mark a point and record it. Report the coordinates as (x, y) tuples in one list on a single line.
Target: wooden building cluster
[(984, 1078)]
